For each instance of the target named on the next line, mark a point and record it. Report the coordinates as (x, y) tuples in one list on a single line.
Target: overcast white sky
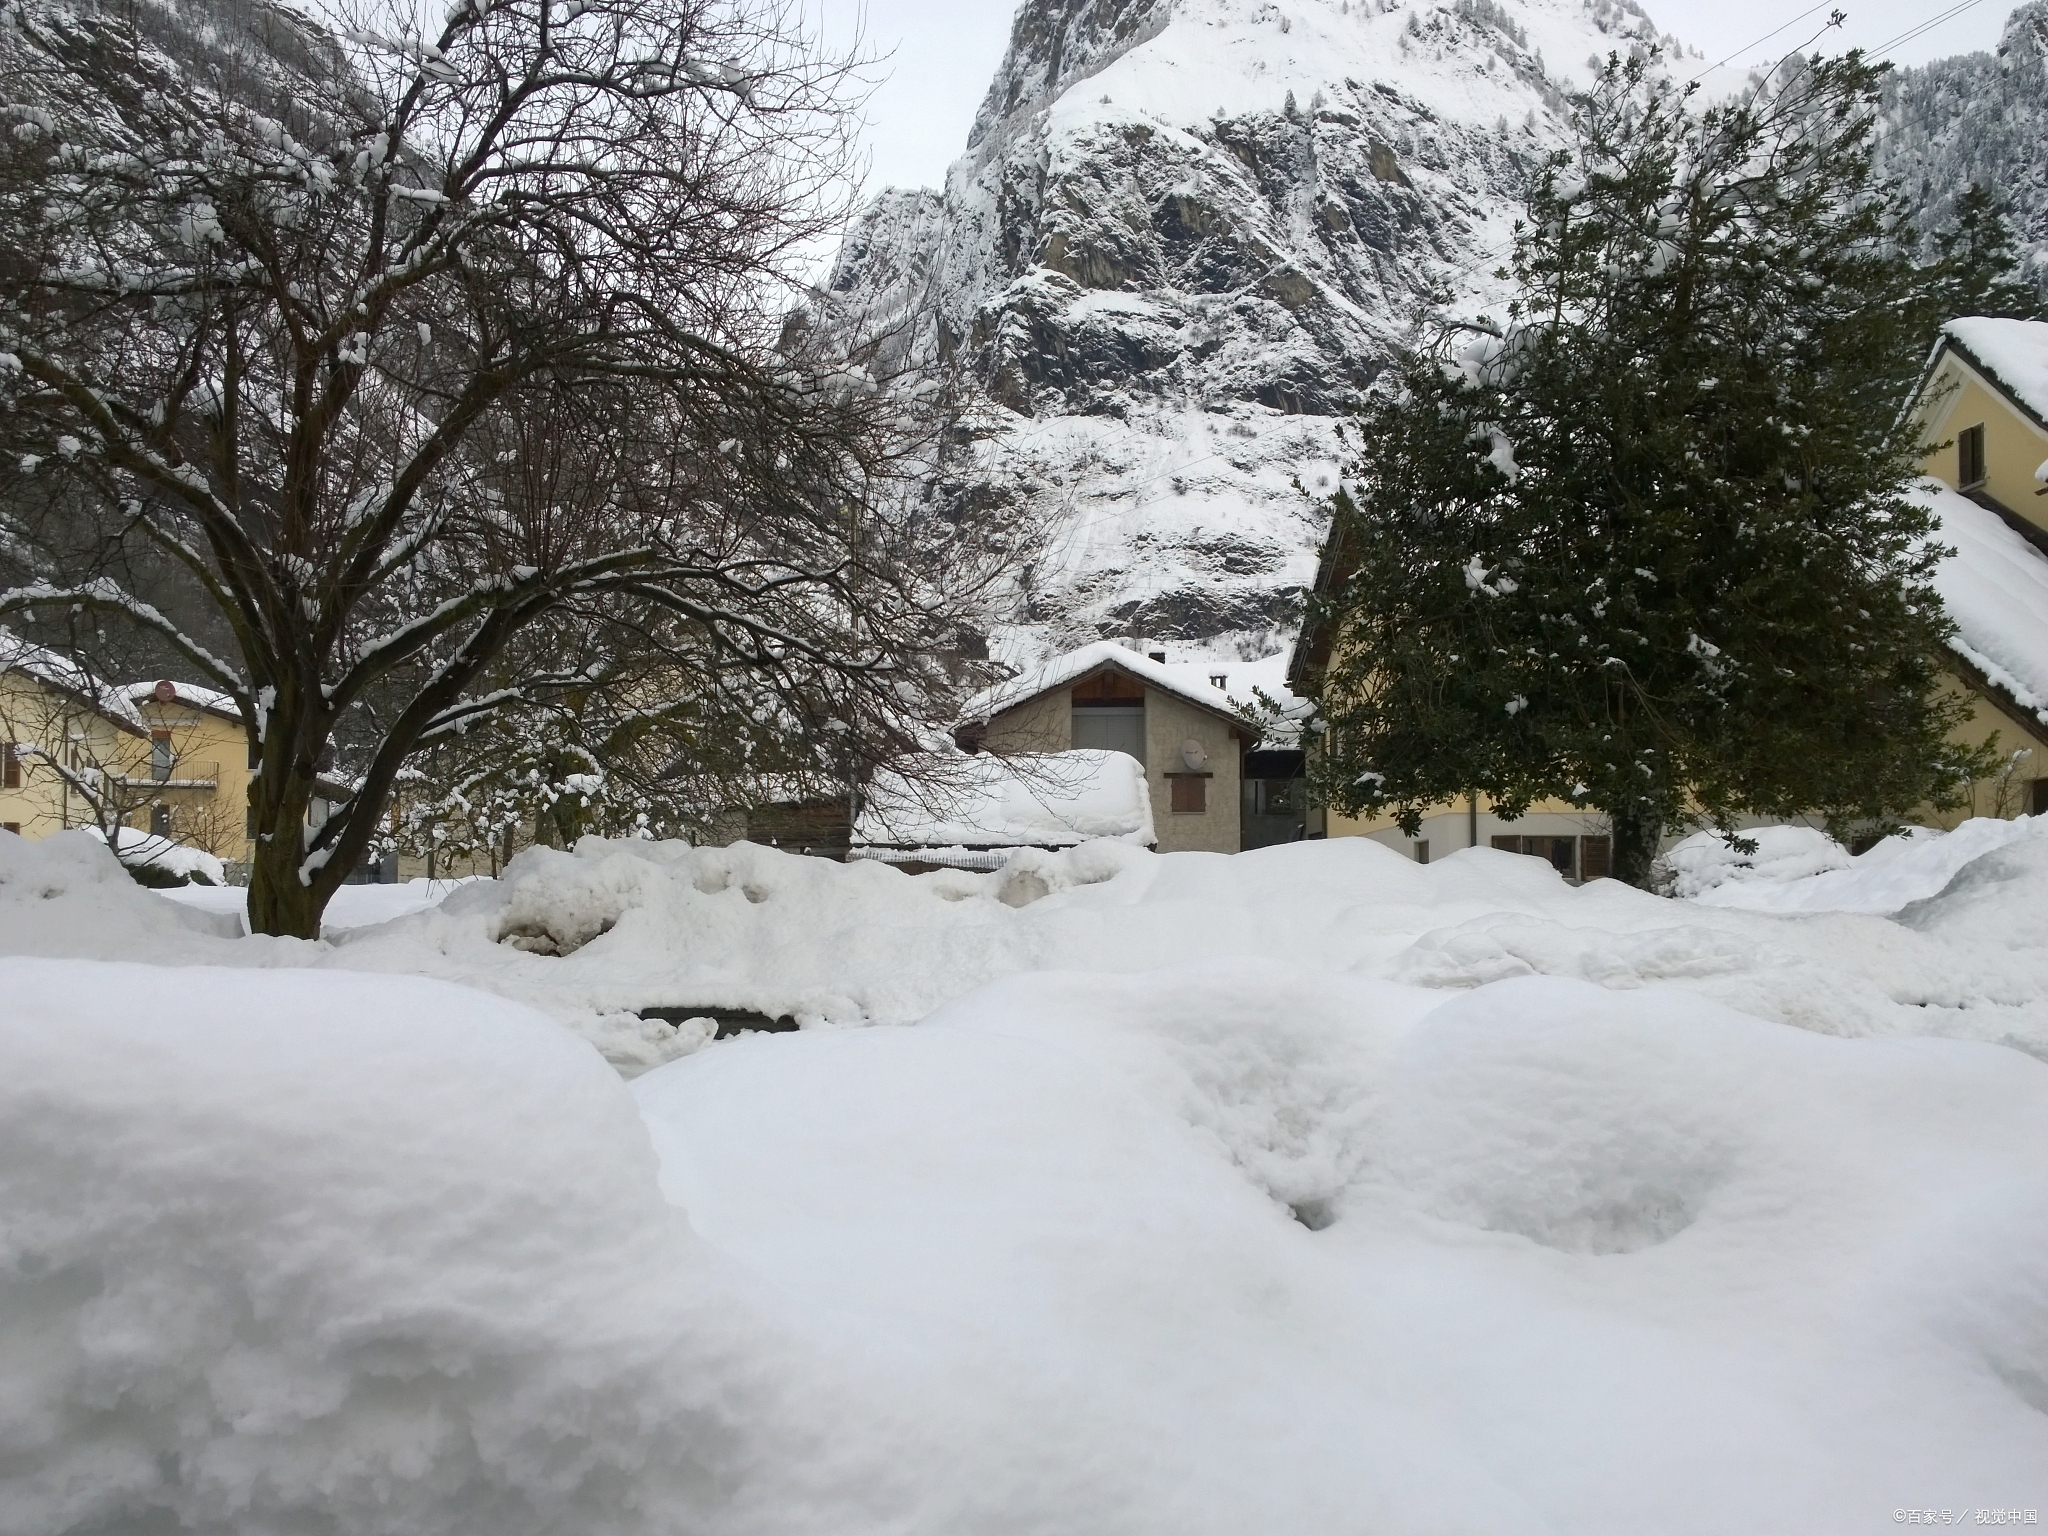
[(944, 52)]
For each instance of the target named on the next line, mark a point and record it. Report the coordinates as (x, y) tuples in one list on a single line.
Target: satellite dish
[(1195, 755), (165, 692)]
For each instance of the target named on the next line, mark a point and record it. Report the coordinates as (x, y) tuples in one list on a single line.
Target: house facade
[(1190, 738), (199, 765), (1982, 403), (163, 758), (67, 743)]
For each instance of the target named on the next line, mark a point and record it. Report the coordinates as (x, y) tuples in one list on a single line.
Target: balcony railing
[(181, 775)]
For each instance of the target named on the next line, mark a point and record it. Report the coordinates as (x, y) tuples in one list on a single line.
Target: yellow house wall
[(2013, 446), (37, 807), (38, 715), (204, 745), (1958, 398), (2009, 792), (1448, 825)]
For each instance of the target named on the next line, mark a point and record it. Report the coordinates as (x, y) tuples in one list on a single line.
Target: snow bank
[(345, 1253), (146, 848), (1799, 869), (1181, 1194), (599, 936), (353, 906), (1048, 799), (1706, 860), (66, 895), (1236, 1249)]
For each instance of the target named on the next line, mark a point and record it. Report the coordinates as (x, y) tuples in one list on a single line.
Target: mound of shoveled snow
[(1128, 1240), (287, 1251), (598, 936), (67, 895), (1232, 1249), (1801, 869)]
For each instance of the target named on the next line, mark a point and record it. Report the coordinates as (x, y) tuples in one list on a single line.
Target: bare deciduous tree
[(478, 330)]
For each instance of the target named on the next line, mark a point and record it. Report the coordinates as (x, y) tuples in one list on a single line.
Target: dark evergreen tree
[(1645, 546), (1977, 264)]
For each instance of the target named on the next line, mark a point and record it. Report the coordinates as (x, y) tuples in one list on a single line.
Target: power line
[(1493, 252), (1926, 26), (1738, 53)]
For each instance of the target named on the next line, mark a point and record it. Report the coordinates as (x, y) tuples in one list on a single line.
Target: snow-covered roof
[(189, 694), (1186, 680), (1995, 587), (1033, 800), (59, 671), (1248, 685), (2014, 352)]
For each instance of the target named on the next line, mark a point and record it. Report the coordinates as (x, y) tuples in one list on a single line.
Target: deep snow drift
[(1308, 1190), (624, 926)]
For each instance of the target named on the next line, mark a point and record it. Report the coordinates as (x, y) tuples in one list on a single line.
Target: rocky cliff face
[(1179, 243)]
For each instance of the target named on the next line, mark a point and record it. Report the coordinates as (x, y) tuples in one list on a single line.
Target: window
[(1219, 679), (160, 756), (10, 765), (1970, 456), (2037, 798), (1190, 792), (160, 820), (1276, 797), (1111, 728), (1422, 850)]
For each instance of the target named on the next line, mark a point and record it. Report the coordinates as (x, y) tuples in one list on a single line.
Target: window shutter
[(1190, 792), (10, 766), (1970, 465), (1596, 858)]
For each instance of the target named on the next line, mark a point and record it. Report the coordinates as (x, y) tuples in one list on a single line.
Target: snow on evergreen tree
[(1974, 126), (1643, 546)]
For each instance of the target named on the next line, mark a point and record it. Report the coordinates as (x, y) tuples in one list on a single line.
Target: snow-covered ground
[(353, 906), (1309, 1190)]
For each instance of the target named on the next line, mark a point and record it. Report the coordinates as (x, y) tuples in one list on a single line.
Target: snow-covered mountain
[(1978, 117), (1180, 240)]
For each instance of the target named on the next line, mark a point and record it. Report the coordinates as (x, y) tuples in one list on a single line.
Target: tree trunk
[(281, 796), (1636, 831), (278, 902)]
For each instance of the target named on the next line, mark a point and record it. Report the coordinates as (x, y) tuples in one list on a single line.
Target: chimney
[(1157, 655)]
